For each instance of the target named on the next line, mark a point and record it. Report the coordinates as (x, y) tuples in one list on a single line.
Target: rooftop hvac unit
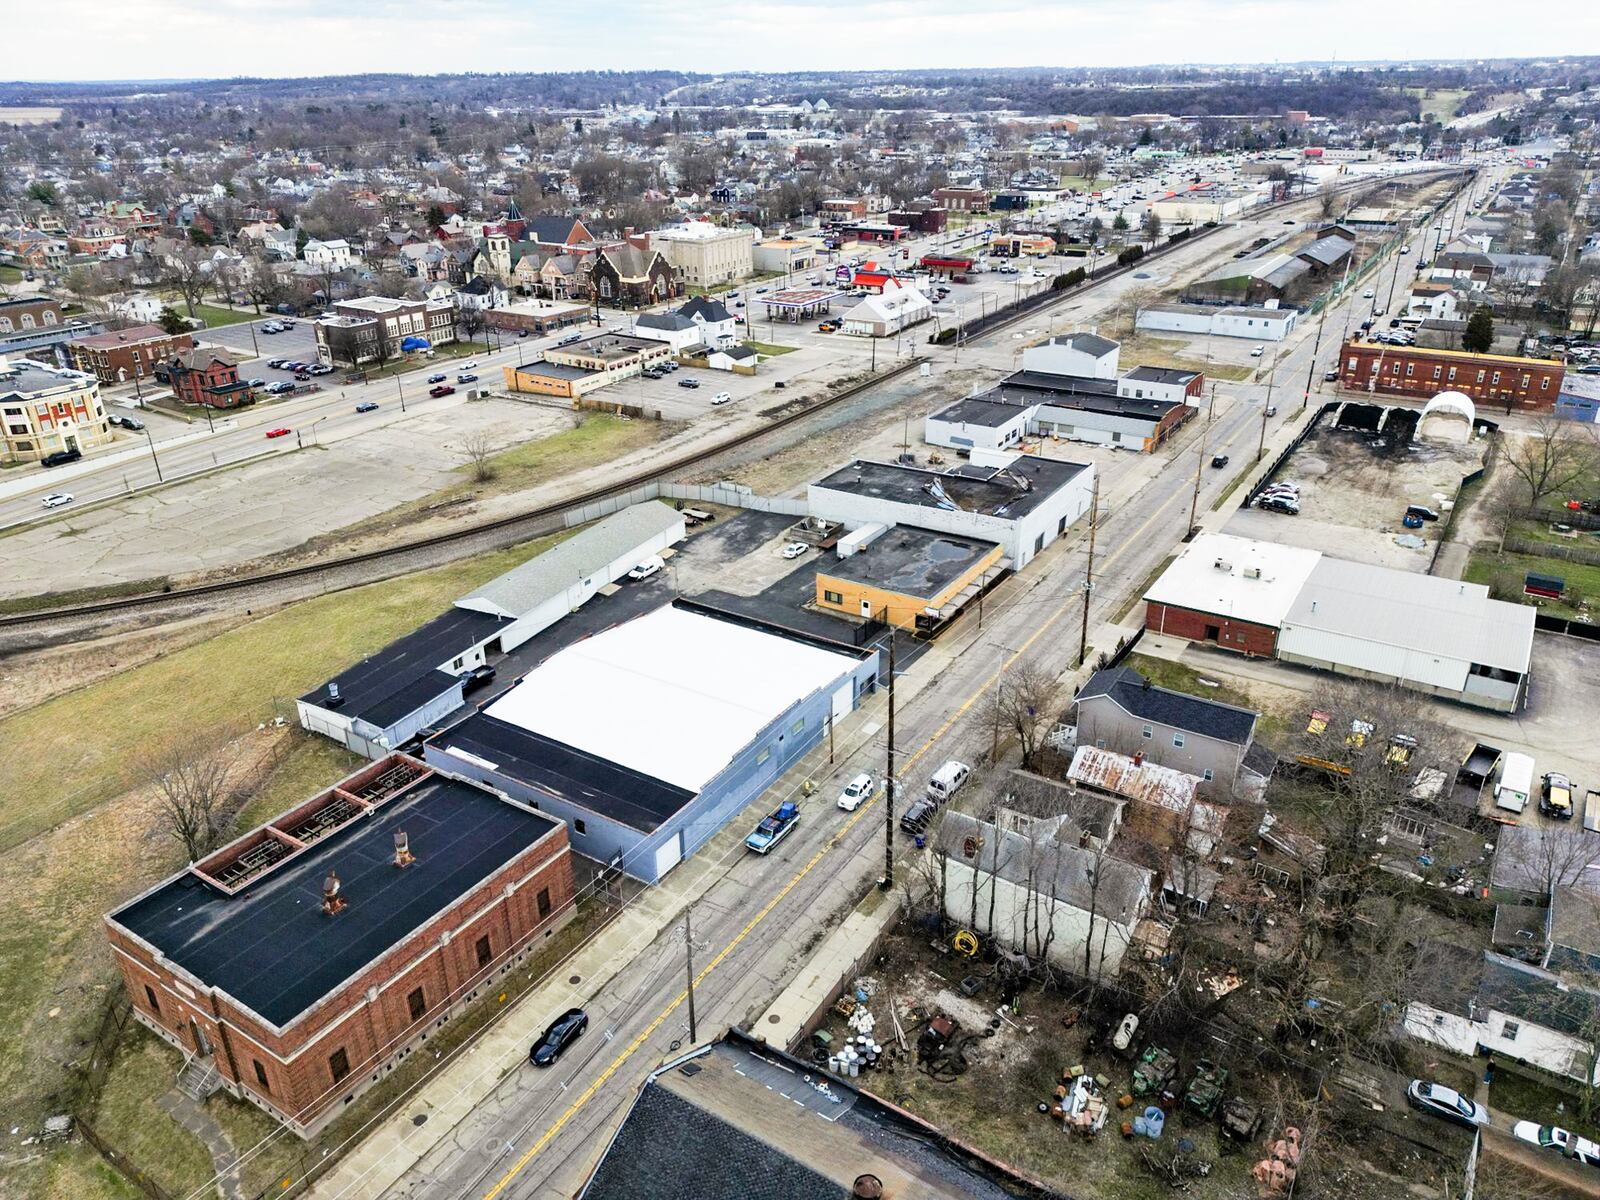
[(1252, 572), (1223, 564)]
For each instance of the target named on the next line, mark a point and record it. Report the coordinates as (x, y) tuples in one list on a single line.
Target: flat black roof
[(1000, 491), (1161, 374), (910, 561), (271, 948), (975, 410), (1073, 391), (603, 787), (404, 675)]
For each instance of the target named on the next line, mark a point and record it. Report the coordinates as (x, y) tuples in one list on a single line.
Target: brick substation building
[(300, 964)]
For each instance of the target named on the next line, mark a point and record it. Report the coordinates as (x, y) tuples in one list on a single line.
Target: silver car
[(1447, 1103)]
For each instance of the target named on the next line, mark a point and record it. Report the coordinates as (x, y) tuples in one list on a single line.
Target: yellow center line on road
[(633, 1047)]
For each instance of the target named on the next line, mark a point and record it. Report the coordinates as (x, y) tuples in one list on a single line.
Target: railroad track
[(369, 565)]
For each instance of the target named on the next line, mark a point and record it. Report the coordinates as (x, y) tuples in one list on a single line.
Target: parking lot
[(247, 338), (1354, 489)]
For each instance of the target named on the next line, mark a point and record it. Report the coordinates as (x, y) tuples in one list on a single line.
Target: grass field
[(1162, 352), (216, 317), (771, 349), (1504, 575), (1441, 103), (10, 275), (78, 758), (1081, 183)]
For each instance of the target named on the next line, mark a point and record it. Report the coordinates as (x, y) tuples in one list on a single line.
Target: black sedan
[(563, 1031)]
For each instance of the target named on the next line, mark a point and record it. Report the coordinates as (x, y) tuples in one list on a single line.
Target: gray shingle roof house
[(1119, 709)]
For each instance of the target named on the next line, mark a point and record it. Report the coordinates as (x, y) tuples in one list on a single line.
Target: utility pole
[(1266, 408), (688, 962), (1199, 465), (887, 881), (1316, 345), (1088, 575)]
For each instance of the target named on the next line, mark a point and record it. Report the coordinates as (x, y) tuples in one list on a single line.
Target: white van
[(1515, 784), (947, 781)]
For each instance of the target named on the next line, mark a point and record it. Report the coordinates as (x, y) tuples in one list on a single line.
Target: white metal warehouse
[(646, 738), (1443, 636)]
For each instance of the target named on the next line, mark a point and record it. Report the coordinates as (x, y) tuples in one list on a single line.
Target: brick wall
[(1528, 384), (373, 1031), (1243, 636)]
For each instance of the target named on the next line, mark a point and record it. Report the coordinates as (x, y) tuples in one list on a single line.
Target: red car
[(444, 389), (282, 431)]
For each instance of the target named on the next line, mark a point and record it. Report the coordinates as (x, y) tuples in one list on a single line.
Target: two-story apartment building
[(1529, 384), (126, 355), (1121, 710), (374, 328)]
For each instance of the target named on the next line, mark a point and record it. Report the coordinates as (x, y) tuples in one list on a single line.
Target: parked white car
[(1258, 351), (795, 549), (721, 398), (856, 792), (57, 499), (650, 566), (1553, 1137)]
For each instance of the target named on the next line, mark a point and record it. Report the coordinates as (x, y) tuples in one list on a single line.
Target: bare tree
[(469, 322), (479, 449), (1550, 456), (1327, 200), (187, 271), (1026, 702), (192, 777)]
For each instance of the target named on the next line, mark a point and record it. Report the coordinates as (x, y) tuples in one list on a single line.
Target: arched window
[(5, 324), (49, 316), (27, 320)]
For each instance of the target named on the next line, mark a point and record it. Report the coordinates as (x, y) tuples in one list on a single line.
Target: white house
[(1040, 896), (141, 308), (1486, 1003), (332, 255), (678, 332), (718, 327), (479, 294)]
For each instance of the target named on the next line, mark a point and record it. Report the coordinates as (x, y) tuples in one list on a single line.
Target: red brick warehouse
[(1529, 384), (301, 963)]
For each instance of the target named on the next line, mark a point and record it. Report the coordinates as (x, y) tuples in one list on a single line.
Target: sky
[(153, 39)]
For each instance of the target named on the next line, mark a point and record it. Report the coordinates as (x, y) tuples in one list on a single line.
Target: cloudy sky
[(144, 39)]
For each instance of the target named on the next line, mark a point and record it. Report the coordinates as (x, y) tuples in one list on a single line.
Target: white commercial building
[(887, 313), (384, 700), (647, 737), (707, 255), (1024, 505), (1258, 324), (1445, 637)]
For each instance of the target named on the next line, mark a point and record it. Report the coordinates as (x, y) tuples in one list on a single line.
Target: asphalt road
[(539, 1132)]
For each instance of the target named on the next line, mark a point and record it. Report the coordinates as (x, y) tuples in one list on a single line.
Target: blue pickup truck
[(773, 829)]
